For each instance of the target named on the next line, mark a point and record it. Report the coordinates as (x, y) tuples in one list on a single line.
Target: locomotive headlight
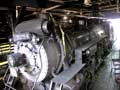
[(10, 60), (16, 60)]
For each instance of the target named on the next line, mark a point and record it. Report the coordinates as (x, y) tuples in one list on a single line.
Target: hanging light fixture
[(87, 2)]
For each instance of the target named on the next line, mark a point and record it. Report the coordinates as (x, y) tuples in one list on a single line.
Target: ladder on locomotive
[(8, 81)]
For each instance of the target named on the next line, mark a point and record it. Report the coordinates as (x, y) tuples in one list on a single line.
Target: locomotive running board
[(68, 74)]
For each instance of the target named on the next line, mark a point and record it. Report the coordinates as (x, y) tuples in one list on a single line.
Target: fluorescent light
[(115, 23)]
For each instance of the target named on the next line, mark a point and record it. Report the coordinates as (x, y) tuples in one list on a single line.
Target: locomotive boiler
[(53, 52)]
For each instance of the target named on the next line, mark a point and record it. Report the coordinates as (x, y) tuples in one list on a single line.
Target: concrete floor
[(105, 78)]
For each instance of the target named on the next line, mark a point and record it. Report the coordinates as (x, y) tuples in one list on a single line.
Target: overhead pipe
[(118, 6)]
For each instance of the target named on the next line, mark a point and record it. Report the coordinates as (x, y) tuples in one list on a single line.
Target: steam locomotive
[(54, 52)]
